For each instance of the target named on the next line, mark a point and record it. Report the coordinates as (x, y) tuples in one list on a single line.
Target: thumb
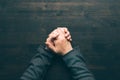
[(50, 46)]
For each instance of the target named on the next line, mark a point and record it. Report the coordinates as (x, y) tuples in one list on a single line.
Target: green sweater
[(46, 65)]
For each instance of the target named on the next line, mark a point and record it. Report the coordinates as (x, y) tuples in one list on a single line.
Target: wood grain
[(94, 25)]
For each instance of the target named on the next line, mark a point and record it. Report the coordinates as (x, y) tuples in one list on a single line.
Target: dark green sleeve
[(76, 64), (38, 65)]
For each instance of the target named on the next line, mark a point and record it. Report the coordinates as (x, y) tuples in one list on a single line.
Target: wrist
[(67, 50)]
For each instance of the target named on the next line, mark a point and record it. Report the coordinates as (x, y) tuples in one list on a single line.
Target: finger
[(48, 40), (53, 37), (50, 46), (69, 38), (61, 28), (64, 29), (61, 31), (54, 34), (50, 43), (67, 34)]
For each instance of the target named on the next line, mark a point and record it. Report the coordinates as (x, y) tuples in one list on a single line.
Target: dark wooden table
[(94, 25)]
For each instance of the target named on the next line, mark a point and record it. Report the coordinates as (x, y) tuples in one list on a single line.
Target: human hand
[(59, 41), (55, 33)]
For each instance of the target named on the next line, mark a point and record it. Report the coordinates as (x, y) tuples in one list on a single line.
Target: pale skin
[(59, 41)]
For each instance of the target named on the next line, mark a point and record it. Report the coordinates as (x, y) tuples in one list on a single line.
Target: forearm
[(77, 66), (38, 65)]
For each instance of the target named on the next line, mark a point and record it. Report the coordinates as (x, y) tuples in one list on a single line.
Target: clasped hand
[(59, 41)]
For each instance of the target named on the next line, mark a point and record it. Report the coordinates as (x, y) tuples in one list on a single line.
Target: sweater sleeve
[(38, 65), (76, 64)]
